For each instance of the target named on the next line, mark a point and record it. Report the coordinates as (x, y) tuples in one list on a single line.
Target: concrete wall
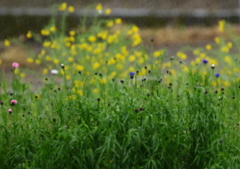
[(154, 4)]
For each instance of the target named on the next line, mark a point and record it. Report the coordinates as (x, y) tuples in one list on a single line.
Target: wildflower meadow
[(108, 101)]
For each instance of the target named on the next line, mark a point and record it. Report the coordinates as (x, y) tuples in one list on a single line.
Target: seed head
[(62, 66), (212, 66)]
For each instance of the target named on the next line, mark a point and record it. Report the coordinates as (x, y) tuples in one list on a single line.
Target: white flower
[(54, 71)]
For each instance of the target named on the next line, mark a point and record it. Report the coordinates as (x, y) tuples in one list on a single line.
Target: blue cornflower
[(217, 74), (205, 61), (131, 75)]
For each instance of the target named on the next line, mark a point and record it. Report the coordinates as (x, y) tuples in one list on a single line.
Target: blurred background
[(19, 16), (173, 24)]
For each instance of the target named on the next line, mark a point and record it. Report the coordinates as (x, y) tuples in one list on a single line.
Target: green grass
[(169, 114)]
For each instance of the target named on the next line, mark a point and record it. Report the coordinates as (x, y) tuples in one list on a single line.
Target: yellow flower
[(227, 59), (29, 60), (203, 55), (131, 69), (89, 48), (96, 65), (185, 68), (0, 61), (80, 92), (16, 71), (79, 67), (217, 40), (68, 44), (143, 72), (225, 49), (181, 55), (56, 61), (193, 63), (29, 35), (226, 83), (46, 44), (71, 9), (141, 60), (198, 60), (196, 52), (45, 32), (112, 75), (63, 7), (95, 90), (72, 97), (119, 56), (43, 52), (221, 25), (48, 58), (208, 47), (92, 38), (103, 34), (72, 33), (230, 72), (111, 61), (110, 24), (68, 77), (6, 42), (99, 8), (108, 11), (38, 62), (131, 58), (104, 80), (70, 59), (45, 71), (214, 84), (137, 39), (135, 28), (229, 44), (156, 54), (166, 65), (110, 39), (96, 51), (52, 28), (173, 72), (119, 66), (22, 75), (118, 21)]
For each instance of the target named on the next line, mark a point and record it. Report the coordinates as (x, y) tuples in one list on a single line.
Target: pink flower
[(15, 65), (10, 111), (13, 102)]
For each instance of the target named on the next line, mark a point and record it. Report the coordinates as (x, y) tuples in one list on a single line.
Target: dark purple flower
[(205, 61), (217, 74), (131, 75)]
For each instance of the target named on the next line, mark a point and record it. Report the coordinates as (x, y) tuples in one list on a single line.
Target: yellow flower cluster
[(221, 25), (182, 55), (64, 7), (135, 36)]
